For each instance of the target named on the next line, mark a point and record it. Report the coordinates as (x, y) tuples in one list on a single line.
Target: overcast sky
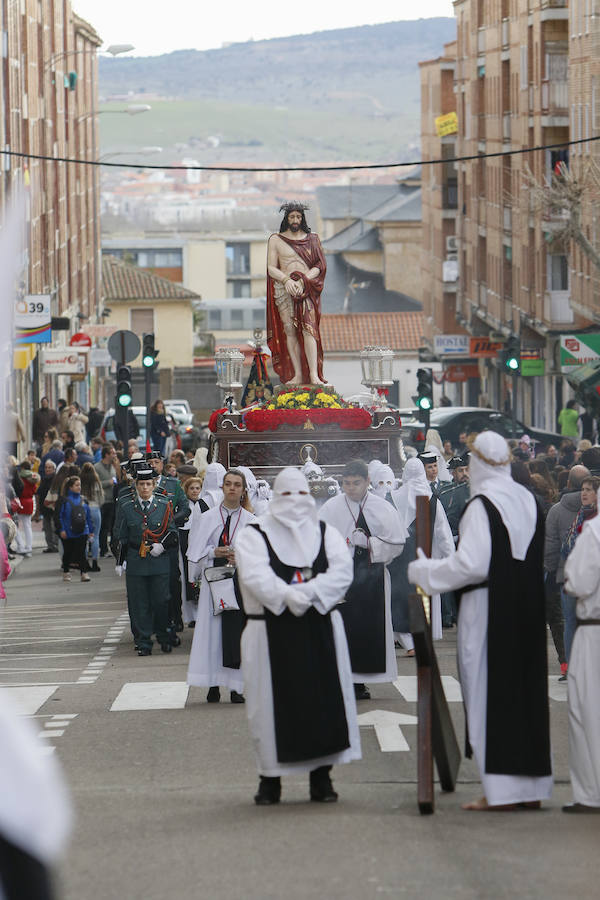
[(154, 26)]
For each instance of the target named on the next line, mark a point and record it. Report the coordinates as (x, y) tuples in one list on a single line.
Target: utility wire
[(343, 168)]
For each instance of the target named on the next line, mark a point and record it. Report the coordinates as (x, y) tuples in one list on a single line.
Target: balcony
[(555, 97), (450, 195), (557, 307), (554, 10)]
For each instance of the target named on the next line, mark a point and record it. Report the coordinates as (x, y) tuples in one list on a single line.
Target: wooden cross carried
[(436, 738)]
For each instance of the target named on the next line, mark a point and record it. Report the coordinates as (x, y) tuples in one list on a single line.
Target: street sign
[(124, 346), (80, 339), (451, 345), (446, 124), (99, 356), (33, 319), (64, 362), (482, 347), (533, 366), (578, 349)]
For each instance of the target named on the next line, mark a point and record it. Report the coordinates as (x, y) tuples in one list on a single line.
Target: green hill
[(333, 95)]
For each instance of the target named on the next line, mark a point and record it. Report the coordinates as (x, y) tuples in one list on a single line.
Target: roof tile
[(122, 281), (398, 330)]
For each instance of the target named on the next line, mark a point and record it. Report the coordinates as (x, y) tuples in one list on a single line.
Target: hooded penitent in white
[(294, 533), (212, 486), (489, 470)]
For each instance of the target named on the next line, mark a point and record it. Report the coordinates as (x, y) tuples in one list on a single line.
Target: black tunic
[(308, 704), (518, 722), (232, 620)]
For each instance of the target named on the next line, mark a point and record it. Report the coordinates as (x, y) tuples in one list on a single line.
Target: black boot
[(361, 692), (95, 566), (321, 788), (235, 697), (269, 791), (214, 695)]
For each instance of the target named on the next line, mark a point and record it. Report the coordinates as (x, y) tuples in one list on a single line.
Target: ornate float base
[(328, 445)]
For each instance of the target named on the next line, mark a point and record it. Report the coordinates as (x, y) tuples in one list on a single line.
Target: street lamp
[(112, 49)]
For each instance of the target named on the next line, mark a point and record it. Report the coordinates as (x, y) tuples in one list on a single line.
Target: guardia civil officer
[(171, 488), (146, 531)]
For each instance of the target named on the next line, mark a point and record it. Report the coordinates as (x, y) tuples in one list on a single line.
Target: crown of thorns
[(486, 459), (293, 206)]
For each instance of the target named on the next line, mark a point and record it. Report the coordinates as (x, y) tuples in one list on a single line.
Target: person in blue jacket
[(76, 527)]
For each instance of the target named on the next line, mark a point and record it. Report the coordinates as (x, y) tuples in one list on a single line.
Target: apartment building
[(48, 83), (511, 87)]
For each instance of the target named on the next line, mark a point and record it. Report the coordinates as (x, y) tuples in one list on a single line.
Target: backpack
[(78, 517)]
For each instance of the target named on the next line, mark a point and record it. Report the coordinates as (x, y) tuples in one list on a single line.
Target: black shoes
[(50, 550), (174, 640), (269, 791), (95, 566), (214, 695), (144, 651), (361, 692), (192, 625), (166, 648), (321, 788), (237, 698), (581, 808)]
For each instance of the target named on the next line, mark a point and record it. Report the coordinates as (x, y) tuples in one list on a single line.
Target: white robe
[(189, 610), (582, 574), (262, 589), (206, 667), (470, 565), (386, 542)]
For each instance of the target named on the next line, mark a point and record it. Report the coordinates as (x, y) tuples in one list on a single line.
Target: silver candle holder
[(228, 363), (376, 365)]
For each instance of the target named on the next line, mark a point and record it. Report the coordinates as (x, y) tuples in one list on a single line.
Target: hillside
[(334, 95)]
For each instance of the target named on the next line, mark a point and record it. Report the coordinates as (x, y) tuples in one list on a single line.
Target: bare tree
[(563, 200)]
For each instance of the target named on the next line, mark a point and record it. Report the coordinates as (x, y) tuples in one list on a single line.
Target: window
[(258, 318), (159, 259), (237, 318), (214, 319), (236, 289), (237, 257), (558, 272), (142, 321)]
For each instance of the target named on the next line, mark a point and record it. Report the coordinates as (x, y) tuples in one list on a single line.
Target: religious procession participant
[(383, 480), (436, 468), (415, 484), (212, 493), (171, 488), (192, 488), (294, 571), (454, 496), (582, 580), (374, 535), (215, 656), (498, 566), (259, 500), (146, 531)]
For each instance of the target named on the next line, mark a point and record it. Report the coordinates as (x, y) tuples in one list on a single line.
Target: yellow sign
[(447, 124), (23, 355)]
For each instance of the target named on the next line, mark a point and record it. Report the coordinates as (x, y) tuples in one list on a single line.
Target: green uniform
[(147, 576), (454, 497)]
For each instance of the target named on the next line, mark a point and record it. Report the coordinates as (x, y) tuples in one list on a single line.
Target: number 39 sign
[(32, 320)]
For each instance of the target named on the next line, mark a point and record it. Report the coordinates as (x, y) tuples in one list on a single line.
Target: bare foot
[(410, 653), (295, 382), (317, 380), (476, 805), (481, 805)]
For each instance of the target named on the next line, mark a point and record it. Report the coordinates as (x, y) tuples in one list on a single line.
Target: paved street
[(163, 783)]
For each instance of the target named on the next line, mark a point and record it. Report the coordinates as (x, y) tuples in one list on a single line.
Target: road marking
[(35, 671), (151, 695), (51, 734), (38, 655), (407, 686), (57, 640), (387, 728), (31, 698)]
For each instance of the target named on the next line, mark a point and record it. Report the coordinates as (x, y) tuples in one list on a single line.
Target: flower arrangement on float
[(299, 406)]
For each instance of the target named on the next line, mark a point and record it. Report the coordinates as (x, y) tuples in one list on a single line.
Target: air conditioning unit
[(452, 244)]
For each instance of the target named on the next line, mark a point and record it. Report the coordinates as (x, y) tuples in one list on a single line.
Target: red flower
[(212, 422), (269, 420)]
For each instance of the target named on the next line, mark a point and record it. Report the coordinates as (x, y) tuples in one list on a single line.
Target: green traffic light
[(148, 362), (424, 403), (512, 363), (124, 400)]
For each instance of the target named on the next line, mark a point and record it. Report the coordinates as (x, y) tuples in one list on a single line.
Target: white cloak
[(386, 542), (206, 667), (262, 589), (582, 574), (188, 609), (470, 565)]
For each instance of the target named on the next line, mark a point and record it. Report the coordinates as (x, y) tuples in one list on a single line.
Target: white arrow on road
[(387, 728)]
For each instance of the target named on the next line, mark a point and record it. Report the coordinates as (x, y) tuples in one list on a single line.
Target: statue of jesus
[(295, 276)]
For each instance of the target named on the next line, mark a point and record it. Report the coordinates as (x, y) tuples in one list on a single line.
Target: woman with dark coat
[(159, 426)]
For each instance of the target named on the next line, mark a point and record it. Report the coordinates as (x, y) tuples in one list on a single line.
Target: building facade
[(48, 84), (511, 87)]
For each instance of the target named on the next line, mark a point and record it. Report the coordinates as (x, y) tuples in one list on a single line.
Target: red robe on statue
[(307, 311)]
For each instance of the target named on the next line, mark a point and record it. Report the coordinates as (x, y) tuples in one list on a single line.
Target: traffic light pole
[(147, 386), (514, 404)]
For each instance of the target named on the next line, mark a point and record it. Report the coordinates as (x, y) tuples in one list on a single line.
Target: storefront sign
[(482, 347), (448, 345), (578, 349), (447, 124), (32, 320), (457, 373), (99, 356), (64, 362), (533, 366)]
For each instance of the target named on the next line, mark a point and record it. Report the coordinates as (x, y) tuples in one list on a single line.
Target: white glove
[(417, 570), (157, 549), (119, 570), (360, 539), (296, 602)]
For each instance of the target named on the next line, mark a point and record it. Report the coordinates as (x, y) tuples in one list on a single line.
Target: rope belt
[(587, 622), (255, 616)]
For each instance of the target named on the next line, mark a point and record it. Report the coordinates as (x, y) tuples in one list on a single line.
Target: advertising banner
[(64, 362), (451, 345), (32, 320), (578, 349)]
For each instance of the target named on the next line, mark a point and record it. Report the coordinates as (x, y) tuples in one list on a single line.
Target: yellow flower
[(302, 398), (322, 396), (335, 406), (304, 406)]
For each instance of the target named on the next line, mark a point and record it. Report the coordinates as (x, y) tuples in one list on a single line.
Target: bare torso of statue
[(295, 275)]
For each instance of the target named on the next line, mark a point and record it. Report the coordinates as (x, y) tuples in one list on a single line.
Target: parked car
[(451, 421), (107, 429), (184, 405)]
